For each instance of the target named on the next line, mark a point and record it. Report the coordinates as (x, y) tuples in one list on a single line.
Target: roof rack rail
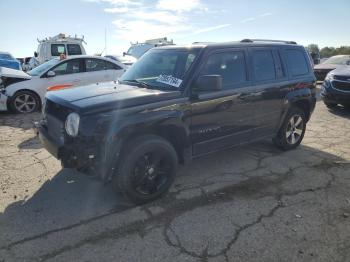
[(268, 40)]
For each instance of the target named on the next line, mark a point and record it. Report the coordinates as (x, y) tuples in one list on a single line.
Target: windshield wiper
[(139, 83)]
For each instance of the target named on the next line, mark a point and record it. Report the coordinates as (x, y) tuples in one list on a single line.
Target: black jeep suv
[(180, 102)]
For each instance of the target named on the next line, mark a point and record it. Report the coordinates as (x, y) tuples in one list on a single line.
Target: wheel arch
[(9, 101), (176, 135), (304, 105)]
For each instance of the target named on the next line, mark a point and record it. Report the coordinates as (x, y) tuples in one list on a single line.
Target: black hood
[(108, 96)]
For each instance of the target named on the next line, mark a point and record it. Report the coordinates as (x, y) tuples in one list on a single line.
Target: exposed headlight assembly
[(72, 124), (330, 76)]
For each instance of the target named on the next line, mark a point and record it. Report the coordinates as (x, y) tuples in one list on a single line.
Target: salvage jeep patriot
[(177, 103)]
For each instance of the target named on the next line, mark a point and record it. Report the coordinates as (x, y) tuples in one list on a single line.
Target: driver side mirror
[(208, 83), (50, 74), (35, 54)]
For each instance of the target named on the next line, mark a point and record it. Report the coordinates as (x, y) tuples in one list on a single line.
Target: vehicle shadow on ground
[(340, 111), (71, 198), (31, 143), (23, 121)]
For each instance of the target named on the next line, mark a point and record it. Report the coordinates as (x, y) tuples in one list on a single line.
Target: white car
[(27, 96)]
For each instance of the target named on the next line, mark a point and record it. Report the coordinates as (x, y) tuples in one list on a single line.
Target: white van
[(138, 49), (52, 47)]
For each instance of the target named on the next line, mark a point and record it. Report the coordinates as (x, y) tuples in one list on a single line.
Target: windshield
[(338, 60), (43, 67), (161, 69)]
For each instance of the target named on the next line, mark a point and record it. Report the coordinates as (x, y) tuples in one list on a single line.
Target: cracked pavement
[(253, 203)]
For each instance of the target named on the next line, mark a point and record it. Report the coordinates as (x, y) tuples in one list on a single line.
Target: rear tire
[(146, 170), (25, 102), (292, 130)]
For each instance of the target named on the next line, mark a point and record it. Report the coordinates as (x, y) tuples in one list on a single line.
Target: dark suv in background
[(338, 61), (336, 88), (177, 103)]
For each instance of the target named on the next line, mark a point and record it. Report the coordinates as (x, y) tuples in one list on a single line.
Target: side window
[(68, 67), (73, 49), (111, 66), (263, 65), (296, 62), (57, 49), (94, 64), (230, 65)]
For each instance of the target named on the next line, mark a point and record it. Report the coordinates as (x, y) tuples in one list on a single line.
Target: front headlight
[(72, 124)]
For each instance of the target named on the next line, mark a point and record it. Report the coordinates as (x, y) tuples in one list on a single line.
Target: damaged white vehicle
[(9, 76), (28, 96)]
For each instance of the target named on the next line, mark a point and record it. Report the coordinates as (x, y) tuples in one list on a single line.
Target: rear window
[(57, 49), (296, 62), (74, 49)]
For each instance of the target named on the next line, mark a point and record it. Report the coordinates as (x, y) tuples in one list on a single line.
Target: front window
[(230, 65), (338, 60), (68, 67), (43, 67), (161, 69)]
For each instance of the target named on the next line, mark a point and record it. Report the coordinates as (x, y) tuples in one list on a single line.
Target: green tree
[(313, 48), (328, 51), (331, 51)]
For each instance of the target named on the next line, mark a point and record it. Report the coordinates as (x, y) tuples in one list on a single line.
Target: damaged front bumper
[(80, 155)]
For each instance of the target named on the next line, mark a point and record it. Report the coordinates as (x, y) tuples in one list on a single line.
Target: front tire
[(25, 102), (292, 130), (146, 170)]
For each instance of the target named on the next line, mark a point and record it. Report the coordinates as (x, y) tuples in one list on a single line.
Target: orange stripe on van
[(59, 87)]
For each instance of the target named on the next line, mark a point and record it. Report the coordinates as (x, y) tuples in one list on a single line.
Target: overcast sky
[(325, 23)]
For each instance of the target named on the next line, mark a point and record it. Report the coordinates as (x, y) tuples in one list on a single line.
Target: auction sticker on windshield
[(169, 80)]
